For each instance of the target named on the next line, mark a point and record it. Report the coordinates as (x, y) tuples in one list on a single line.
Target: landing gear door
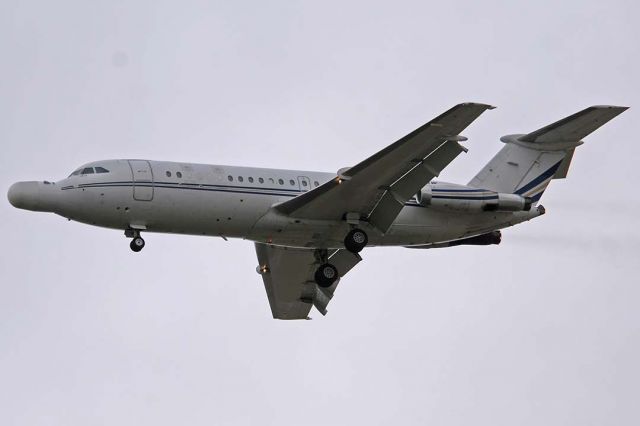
[(304, 183), (142, 180)]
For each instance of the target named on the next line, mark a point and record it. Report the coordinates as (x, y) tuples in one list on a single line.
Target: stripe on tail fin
[(536, 187)]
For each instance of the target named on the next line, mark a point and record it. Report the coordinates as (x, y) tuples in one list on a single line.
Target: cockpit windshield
[(89, 171)]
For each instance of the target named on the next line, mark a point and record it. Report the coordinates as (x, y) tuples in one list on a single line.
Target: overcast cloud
[(543, 329)]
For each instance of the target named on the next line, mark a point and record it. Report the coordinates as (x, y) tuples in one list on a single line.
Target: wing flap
[(408, 185)]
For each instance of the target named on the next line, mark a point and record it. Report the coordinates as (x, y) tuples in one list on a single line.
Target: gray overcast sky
[(543, 329)]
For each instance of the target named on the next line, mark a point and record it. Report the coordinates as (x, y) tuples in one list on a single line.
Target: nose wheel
[(137, 244), (326, 275), (356, 240)]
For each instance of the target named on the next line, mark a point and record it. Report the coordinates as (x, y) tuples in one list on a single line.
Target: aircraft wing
[(288, 275), (377, 188)]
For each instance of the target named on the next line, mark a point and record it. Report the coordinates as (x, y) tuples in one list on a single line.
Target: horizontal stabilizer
[(576, 126)]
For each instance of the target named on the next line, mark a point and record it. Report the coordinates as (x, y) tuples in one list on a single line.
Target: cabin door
[(142, 180)]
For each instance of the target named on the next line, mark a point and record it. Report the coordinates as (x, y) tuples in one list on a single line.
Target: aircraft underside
[(309, 228)]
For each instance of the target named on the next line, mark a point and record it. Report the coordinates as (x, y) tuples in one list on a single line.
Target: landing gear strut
[(356, 240), (137, 243), (326, 275)]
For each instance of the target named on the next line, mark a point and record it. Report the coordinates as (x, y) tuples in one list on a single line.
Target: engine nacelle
[(470, 199)]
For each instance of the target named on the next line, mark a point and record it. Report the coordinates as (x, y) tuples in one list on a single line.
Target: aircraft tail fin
[(527, 163)]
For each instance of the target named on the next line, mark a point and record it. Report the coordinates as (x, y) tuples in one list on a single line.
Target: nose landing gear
[(137, 243)]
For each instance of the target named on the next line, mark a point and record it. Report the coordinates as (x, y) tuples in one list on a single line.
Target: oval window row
[(272, 180), (260, 180)]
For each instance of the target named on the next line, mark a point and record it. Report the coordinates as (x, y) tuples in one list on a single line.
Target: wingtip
[(487, 106), (612, 107)]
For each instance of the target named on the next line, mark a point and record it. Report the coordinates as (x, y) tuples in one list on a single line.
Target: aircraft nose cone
[(24, 195)]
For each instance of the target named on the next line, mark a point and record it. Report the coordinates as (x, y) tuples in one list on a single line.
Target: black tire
[(137, 244), (326, 275), (356, 240)]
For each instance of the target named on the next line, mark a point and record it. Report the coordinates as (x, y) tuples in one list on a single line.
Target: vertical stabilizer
[(527, 163)]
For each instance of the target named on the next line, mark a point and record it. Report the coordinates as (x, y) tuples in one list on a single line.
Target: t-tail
[(527, 163)]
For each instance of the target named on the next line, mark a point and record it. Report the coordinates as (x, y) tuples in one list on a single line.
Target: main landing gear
[(356, 240), (137, 243), (327, 274)]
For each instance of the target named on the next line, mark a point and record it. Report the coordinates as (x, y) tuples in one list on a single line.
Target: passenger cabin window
[(179, 174), (291, 182), (280, 181), (230, 178), (250, 179), (101, 170), (315, 183), (240, 178), (260, 180), (168, 173)]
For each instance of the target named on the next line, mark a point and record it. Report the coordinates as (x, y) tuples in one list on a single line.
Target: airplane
[(309, 228)]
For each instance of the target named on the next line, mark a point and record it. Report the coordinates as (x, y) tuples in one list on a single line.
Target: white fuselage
[(236, 202)]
